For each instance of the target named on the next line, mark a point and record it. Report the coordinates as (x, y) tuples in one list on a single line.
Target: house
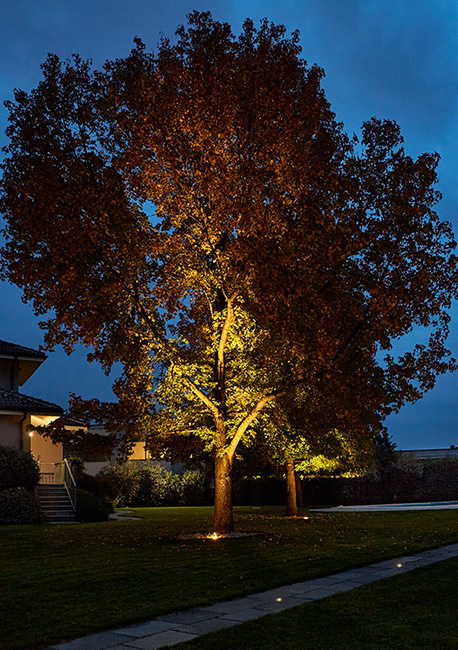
[(429, 454), (96, 463), (19, 412)]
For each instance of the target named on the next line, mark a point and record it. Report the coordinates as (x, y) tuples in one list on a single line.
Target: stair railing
[(63, 474), (47, 471)]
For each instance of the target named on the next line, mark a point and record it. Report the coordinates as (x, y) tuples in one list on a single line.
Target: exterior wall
[(94, 467), (46, 452), (10, 430), (8, 375), (139, 452)]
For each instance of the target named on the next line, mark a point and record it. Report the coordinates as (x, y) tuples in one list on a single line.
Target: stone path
[(173, 628)]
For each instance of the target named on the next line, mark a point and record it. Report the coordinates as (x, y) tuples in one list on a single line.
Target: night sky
[(385, 58)]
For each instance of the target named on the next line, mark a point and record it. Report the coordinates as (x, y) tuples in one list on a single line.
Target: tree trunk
[(291, 505), (222, 514), (299, 499)]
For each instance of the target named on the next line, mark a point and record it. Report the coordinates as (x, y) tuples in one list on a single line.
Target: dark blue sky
[(386, 58)]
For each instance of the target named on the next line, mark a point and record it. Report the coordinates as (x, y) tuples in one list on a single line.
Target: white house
[(19, 411)]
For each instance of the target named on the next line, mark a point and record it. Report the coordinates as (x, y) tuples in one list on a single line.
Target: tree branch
[(202, 396), (252, 415)]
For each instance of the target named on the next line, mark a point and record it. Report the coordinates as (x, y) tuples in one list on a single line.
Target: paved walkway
[(173, 628)]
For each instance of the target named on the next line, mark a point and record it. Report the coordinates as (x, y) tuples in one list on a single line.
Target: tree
[(301, 446), (77, 440), (198, 215)]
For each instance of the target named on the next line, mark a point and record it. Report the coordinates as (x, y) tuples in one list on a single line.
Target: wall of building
[(46, 452), (8, 374), (139, 452), (10, 430)]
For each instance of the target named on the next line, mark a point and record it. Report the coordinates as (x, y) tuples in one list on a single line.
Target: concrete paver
[(100, 641), (145, 629), (278, 605), (316, 594), (170, 629), (243, 615), (171, 637), (204, 627), (189, 616)]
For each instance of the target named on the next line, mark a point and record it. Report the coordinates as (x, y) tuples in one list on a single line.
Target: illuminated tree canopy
[(198, 214)]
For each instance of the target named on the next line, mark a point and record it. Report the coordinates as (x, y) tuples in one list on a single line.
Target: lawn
[(60, 582), (414, 611)]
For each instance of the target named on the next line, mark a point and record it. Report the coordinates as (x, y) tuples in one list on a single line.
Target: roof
[(423, 454), (11, 401), (14, 350), (28, 359), (71, 422)]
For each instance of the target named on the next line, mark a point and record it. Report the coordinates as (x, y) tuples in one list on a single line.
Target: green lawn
[(413, 611), (60, 582)]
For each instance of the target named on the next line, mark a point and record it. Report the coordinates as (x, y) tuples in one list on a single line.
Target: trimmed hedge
[(259, 492), (91, 508), (97, 485), (416, 481), (18, 469), (18, 506)]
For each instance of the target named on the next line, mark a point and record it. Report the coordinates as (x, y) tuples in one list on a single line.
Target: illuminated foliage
[(198, 215), (293, 441)]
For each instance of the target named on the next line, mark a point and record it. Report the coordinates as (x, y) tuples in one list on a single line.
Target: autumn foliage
[(198, 214)]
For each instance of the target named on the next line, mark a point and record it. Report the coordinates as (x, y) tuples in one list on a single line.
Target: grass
[(414, 611), (61, 582)]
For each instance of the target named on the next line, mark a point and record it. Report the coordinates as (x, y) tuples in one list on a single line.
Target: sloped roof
[(71, 422), (423, 454), (14, 350), (11, 401)]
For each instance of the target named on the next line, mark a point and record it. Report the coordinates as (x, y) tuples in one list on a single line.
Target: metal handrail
[(63, 474)]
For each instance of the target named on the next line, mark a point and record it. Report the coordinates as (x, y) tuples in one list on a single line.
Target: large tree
[(199, 215)]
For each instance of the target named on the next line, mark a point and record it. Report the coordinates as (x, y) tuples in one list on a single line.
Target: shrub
[(18, 469), (152, 485), (99, 485), (192, 491), (91, 508), (123, 480), (160, 487), (19, 506)]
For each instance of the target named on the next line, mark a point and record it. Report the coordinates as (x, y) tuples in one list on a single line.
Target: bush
[(160, 487), (192, 488), (18, 469), (99, 485), (91, 508), (154, 486), (123, 480), (18, 506), (151, 485)]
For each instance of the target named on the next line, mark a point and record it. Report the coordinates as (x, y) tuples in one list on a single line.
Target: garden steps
[(55, 503)]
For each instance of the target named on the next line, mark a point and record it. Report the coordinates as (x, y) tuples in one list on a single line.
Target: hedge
[(18, 469), (19, 506)]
